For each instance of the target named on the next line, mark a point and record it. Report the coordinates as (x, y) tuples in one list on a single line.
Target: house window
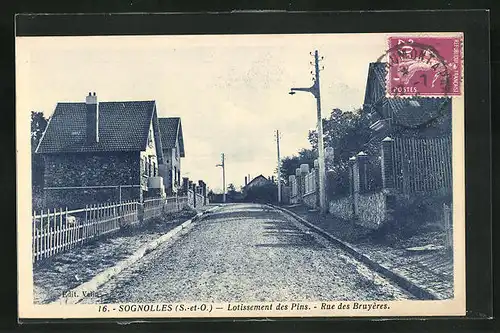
[(154, 169), (149, 167)]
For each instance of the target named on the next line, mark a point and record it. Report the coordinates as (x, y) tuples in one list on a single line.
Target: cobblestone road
[(245, 253)]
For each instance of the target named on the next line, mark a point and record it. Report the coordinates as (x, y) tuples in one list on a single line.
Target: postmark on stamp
[(424, 66)]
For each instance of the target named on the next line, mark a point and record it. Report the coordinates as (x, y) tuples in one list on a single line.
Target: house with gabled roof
[(403, 116), (258, 181), (406, 162), (173, 150), (415, 133), (97, 152)]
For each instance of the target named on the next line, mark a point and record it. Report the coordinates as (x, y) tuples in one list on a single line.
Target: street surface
[(247, 253)]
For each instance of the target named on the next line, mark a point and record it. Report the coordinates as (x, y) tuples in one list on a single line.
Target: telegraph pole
[(223, 165), (279, 165), (314, 89)]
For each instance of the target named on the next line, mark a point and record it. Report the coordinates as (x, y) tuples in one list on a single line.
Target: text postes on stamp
[(424, 66)]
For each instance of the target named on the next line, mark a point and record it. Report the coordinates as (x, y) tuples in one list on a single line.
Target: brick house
[(173, 150), (96, 152)]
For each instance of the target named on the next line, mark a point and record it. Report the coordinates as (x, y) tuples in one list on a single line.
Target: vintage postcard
[(304, 175)]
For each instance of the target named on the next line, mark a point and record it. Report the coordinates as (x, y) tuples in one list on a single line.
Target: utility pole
[(223, 165), (314, 89), (279, 165)]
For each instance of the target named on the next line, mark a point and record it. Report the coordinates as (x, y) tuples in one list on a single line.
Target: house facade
[(406, 162), (412, 135), (97, 152), (258, 181), (173, 150)]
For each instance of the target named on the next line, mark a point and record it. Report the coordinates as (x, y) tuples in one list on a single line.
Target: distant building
[(257, 182), (96, 152), (173, 150), (260, 189)]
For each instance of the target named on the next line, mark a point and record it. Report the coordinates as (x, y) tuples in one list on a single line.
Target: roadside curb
[(399, 280), (110, 272)]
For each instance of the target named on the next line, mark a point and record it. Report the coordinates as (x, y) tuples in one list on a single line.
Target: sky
[(231, 91)]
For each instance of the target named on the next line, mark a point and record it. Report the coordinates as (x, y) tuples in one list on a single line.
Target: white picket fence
[(55, 231)]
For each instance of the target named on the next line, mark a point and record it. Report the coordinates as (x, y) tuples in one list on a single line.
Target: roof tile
[(123, 126)]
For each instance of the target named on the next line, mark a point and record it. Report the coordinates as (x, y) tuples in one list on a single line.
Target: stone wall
[(83, 169), (371, 209), (190, 195), (86, 170), (310, 199), (200, 200), (79, 198), (342, 208), (285, 194)]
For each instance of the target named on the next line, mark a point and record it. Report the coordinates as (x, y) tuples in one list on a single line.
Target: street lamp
[(314, 90)]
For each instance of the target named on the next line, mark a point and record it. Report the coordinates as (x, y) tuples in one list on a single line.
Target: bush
[(262, 194), (413, 216)]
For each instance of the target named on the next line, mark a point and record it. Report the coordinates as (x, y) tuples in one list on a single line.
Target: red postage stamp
[(424, 66)]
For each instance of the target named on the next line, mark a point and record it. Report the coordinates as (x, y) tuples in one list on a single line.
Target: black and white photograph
[(241, 175)]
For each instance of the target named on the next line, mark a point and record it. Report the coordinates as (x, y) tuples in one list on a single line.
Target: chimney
[(246, 181), (92, 119)]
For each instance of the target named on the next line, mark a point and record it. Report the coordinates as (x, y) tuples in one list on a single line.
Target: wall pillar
[(299, 187), (361, 161), (185, 185), (316, 181), (304, 170), (203, 191), (193, 187)]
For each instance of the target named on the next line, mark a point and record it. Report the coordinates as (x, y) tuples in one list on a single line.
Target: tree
[(347, 132), (231, 188), (290, 163), (38, 126), (267, 193), (232, 194)]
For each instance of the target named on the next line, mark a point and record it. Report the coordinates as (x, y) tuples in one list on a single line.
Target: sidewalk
[(429, 270), (65, 271)]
